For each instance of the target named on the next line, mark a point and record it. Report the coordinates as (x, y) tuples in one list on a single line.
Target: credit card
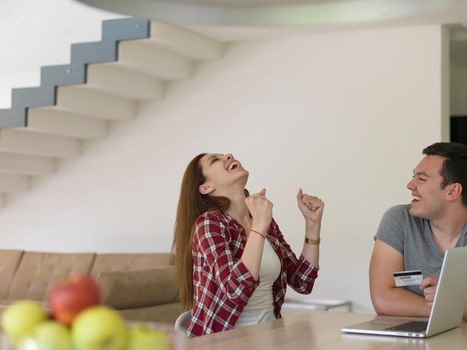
[(408, 278)]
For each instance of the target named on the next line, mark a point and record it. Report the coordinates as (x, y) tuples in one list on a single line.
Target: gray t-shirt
[(413, 238)]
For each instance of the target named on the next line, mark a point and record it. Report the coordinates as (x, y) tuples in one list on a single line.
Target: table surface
[(321, 330)]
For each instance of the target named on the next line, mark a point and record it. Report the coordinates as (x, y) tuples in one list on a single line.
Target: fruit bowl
[(77, 320), (172, 340)]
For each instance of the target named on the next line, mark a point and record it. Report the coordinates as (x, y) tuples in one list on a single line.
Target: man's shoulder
[(396, 226), (400, 212), (400, 209)]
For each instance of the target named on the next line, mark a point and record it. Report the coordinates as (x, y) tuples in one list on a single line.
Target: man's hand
[(428, 286)]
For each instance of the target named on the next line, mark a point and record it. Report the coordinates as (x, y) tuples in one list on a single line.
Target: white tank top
[(260, 306)]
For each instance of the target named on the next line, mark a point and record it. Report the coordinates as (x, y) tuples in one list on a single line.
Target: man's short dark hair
[(454, 167)]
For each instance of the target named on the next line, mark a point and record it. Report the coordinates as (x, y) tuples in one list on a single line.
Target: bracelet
[(259, 233), (312, 241)]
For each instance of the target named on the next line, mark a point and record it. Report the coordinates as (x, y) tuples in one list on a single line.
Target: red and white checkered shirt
[(222, 284)]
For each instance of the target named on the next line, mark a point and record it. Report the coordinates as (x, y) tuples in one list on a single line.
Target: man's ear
[(455, 191), (206, 188)]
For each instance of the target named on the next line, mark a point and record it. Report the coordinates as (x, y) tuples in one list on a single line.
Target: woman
[(232, 262)]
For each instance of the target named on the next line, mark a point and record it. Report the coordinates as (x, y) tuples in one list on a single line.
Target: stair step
[(124, 83), (66, 124), (26, 165), (32, 97), (94, 52), (13, 117), (39, 144), (14, 183), (147, 59), (87, 102), (66, 74), (125, 29), (184, 42)]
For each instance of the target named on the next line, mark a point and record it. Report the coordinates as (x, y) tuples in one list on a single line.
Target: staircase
[(103, 83)]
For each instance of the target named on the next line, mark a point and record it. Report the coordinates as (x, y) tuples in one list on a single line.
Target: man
[(416, 236)]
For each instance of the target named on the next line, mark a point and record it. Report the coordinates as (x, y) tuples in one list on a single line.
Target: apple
[(20, 318), (69, 298), (99, 328), (48, 335), (51, 335), (143, 336), (27, 343)]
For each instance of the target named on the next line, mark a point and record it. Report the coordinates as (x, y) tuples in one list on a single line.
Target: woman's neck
[(239, 211)]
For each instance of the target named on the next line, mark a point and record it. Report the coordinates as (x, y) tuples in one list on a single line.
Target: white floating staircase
[(102, 83)]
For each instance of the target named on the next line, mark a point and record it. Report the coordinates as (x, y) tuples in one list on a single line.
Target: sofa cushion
[(38, 272), (141, 288), (9, 261), (130, 262)]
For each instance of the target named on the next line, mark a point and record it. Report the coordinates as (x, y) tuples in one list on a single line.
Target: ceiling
[(228, 20)]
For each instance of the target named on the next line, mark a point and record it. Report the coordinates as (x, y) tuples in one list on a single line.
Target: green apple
[(20, 318), (52, 335), (99, 328), (143, 336), (27, 343)]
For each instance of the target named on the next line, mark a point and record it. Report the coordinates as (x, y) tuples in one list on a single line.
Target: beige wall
[(343, 115)]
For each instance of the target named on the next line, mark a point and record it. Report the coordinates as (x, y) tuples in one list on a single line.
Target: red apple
[(68, 299)]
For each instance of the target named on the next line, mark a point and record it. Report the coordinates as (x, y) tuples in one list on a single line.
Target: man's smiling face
[(428, 197)]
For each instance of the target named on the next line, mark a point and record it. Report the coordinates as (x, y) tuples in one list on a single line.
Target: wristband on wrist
[(259, 233), (312, 241)]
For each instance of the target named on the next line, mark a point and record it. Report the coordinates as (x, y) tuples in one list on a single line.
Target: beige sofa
[(140, 285)]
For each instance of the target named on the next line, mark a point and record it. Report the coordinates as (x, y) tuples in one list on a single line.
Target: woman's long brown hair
[(191, 204)]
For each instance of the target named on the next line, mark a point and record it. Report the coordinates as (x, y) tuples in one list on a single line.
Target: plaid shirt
[(222, 284)]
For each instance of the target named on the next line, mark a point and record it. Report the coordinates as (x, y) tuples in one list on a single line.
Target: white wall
[(342, 115)]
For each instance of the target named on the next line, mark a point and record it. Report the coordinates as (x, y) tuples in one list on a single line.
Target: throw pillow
[(141, 288)]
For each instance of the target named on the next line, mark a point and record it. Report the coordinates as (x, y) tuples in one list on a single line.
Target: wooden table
[(321, 330)]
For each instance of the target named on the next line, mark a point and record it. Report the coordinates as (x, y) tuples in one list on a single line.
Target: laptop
[(446, 312)]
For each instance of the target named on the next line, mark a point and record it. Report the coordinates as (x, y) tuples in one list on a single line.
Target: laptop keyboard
[(412, 326)]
